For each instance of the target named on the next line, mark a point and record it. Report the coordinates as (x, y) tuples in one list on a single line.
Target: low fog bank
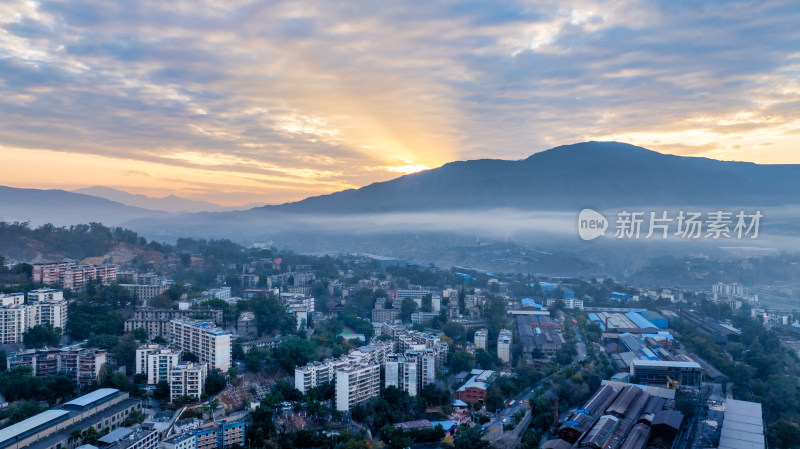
[(544, 242)]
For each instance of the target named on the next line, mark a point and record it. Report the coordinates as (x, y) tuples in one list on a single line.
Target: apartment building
[(209, 343), (145, 292), (182, 441), (156, 322), (402, 371), (246, 325), (71, 275), (13, 323), (481, 337), (187, 379), (155, 362), (220, 436), (317, 373), (504, 345), (355, 384), (47, 306), (86, 364)]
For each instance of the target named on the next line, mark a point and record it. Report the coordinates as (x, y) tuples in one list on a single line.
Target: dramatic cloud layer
[(241, 101)]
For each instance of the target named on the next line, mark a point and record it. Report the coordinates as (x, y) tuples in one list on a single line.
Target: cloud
[(304, 93)]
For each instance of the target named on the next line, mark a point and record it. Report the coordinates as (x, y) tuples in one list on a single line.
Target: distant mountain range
[(589, 174), (169, 203)]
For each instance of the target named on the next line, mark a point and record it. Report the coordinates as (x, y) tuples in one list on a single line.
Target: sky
[(240, 102)]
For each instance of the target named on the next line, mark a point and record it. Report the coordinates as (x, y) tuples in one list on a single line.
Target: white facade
[(209, 343), (504, 345), (357, 384), (11, 299), (47, 306), (13, 323), (402, 372), (156, 362), (427, 367), (481, 336), (187, 379)]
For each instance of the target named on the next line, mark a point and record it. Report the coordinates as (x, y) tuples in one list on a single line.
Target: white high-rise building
[(504, 345), (156, 362), (187, 379), (209, 343), (402, 372), (13, 323), (481, 336), (427, 367), (47, 306), (356, 384)]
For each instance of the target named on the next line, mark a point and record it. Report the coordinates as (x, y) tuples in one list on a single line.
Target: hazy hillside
[(170, 203), (60, 207)]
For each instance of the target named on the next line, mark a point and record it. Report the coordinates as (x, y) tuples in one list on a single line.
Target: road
[(581, 346)]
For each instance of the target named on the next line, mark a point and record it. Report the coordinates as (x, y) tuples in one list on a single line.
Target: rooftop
[(95, 396), (13, 431)]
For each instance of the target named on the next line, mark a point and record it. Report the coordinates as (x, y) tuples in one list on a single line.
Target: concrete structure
[(144, 292), (187, 379), (155, 362), (269, 343), (220, 435), (403, 373), (13, 323), (481, 337), (655, 372), (246, 325), (46, 306), (71, 275), (144, 437), (218, 293), (317, 373), (504, 345), (210, 344), (101, 409), (87, 365), (11, 299), (356, 384), (156, 322)]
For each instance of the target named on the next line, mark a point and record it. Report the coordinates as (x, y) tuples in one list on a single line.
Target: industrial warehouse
[(621, 416)]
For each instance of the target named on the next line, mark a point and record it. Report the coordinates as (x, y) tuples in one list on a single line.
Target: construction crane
[(672, 384)]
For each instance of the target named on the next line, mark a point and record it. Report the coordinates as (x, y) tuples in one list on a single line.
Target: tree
[(461, 361), (161, 391), (295, 352), (470, 438), (485, 360), (215, 382), (92, 435), (40, 336), (125, 351), (407, 307), (395, 437), (427, 303)]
